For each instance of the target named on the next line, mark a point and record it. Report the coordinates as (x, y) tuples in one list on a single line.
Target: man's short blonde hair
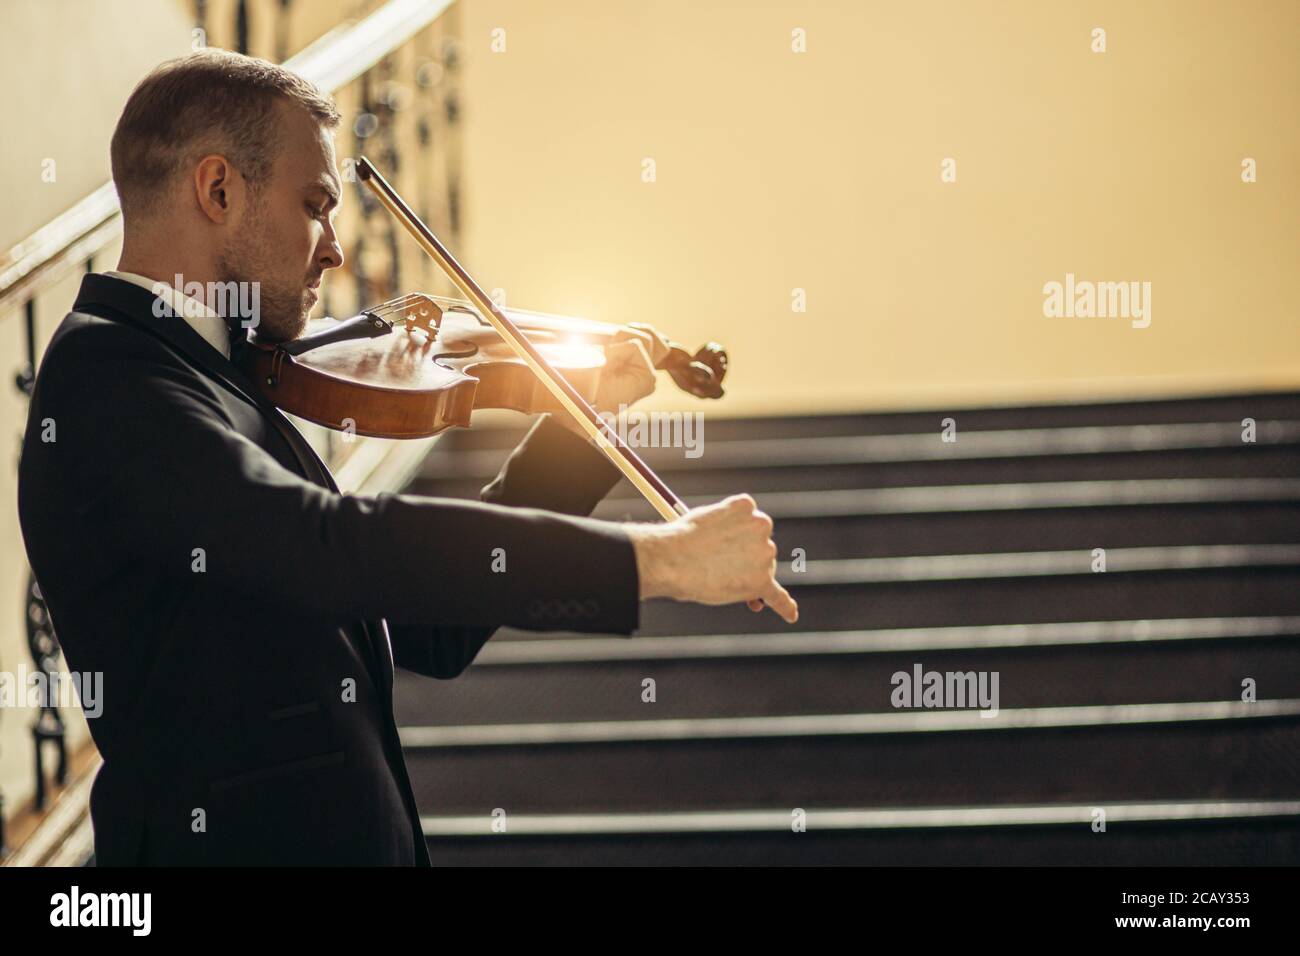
[(213, 101)]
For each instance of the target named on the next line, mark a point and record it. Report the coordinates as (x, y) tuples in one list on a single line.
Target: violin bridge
[(414, 311)]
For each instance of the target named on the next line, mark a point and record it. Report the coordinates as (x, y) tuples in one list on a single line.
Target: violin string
[(398, 304), (402, 303)]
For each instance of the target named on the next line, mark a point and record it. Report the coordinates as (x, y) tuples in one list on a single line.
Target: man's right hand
[(715, 554)]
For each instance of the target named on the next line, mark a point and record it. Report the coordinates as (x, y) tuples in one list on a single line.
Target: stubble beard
[(282, 309)]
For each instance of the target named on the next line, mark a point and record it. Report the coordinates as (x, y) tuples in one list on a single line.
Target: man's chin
[(274, 333), (298, 329)]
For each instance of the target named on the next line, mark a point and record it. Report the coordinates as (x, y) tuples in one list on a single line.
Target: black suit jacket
[(246, 616)]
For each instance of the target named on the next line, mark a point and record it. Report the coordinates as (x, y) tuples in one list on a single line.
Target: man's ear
[(218, 188)]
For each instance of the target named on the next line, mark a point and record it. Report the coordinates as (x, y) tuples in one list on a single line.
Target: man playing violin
[(247, 616)]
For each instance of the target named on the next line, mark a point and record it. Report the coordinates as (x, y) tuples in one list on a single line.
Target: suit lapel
[(137, 306)]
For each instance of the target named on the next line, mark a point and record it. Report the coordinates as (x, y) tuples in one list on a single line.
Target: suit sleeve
[(164, 476), (552, 468)]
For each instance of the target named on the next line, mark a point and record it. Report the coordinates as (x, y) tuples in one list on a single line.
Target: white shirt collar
[(203, 320)]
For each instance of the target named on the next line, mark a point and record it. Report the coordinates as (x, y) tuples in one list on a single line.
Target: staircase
[(1120, 691)]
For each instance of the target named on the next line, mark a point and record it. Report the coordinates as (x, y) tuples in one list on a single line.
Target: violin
[(418, 364)]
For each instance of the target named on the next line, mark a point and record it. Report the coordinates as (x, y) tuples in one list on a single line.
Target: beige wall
[(821, 170)]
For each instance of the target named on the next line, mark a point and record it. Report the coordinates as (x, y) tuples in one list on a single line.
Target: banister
[(332, 61)]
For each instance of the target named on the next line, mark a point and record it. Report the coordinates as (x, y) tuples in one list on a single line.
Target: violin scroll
[(700, 374)]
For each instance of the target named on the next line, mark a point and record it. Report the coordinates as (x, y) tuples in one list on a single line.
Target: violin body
[(420, 364)]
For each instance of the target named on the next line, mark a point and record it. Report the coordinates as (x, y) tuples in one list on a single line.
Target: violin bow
[(607, 440)]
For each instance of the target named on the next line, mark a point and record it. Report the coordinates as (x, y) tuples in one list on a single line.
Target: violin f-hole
[(465, 353)]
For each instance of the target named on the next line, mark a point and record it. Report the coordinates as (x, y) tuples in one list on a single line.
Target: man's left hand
[(629, 373)]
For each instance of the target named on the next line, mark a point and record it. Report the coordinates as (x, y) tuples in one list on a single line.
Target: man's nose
[(331, 255)]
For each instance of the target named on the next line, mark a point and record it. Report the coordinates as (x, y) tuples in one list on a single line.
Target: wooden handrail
[(67, 241)]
